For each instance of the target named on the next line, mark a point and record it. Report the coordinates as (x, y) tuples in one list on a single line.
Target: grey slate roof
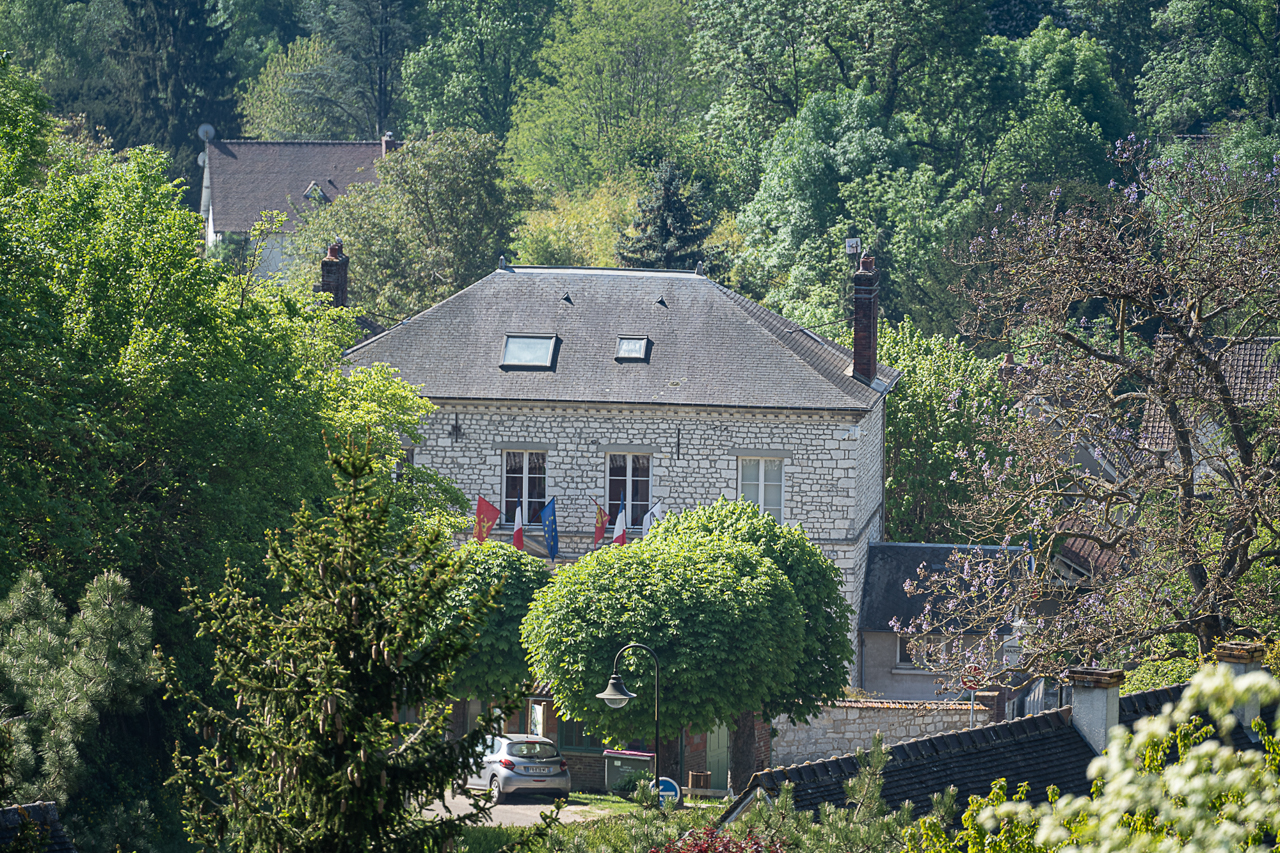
[(892, 564), (1251, 373), (247, 177), (45, 816), (1043, 750), (1151, 702), (710, 346)]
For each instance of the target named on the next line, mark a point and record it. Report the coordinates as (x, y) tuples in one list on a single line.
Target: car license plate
[(538, 769)]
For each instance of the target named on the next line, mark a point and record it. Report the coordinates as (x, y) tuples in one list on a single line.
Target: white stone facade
[(833, 463), (847, 726)]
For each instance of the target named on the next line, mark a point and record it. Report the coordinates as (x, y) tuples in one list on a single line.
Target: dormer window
[(632, 348), (528, 350)]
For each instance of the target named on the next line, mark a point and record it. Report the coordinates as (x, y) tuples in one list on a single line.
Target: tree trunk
[(742, 751)]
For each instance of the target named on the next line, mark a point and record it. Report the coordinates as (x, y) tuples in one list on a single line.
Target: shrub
[(709, 840)]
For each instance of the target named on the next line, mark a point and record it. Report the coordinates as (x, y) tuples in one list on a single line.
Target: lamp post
[(616, 695)]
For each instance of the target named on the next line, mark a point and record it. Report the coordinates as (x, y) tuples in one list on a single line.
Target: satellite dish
[(206, 132), (202, 160)]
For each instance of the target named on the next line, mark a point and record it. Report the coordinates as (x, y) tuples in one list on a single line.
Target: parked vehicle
[(525, 764)]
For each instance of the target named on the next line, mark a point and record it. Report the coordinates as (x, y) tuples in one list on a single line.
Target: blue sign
[(549, 528), (668, 789)]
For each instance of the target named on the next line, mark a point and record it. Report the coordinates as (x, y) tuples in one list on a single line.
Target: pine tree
[(337, 739), (672, 224)]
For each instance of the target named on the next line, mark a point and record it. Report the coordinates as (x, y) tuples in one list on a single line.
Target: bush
[(636, 832), (627, 785), (709, 840)]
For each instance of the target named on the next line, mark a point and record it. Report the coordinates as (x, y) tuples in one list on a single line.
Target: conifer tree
[(336, 741), (672, 224)]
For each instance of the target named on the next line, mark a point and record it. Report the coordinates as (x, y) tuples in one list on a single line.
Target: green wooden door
[(718, 757)]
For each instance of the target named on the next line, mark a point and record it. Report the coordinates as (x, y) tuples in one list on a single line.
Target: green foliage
[(337, 740), (647, 829), (301, 94), (474, 63), (61, 672), (25, 127), (934, 427), (496, 666), (627, 785), (612, 70), (436, 220), (822, 671), (721, 617), (671, 225), (1144, 799), (574, 231)]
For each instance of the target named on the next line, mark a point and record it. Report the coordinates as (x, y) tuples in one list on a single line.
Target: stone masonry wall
[(847, 726), (833, 472)]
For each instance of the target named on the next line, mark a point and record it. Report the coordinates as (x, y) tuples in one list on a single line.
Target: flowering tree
[(1144, 446), (1206, 797)]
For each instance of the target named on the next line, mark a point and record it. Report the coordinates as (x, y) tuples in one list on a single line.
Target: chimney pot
[(1095, 703), (333, 275)]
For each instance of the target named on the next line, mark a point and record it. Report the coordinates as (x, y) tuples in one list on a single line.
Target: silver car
[(528, 764)]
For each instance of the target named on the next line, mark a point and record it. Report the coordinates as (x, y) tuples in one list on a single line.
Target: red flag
[(602, 524), (486, 518), (517, 538)]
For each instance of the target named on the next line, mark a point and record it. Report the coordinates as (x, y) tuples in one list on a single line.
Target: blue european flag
[(549, 528)]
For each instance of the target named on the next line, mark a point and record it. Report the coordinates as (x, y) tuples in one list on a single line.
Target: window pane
[(750, 471), (537, 464), (618, 465), (514, 486), (772, 496), (773, 471), (617, 486), (639, 489), (528, 350), (632, 347), (751, 492), (537, 483)]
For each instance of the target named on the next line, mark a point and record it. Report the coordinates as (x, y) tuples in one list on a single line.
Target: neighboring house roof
[(889, 566), (247, 177), (1251, 373), (44, 815), (1043, 750), (708, 345)]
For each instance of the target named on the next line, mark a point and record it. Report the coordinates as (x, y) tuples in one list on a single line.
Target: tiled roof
[(892, 564), (1042, 750), (1148, 703), (248, 177), (45, 815), (1251, 373), (708, 345)]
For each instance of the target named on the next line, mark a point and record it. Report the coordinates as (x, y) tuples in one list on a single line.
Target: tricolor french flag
[(620, 526), (517, 538)]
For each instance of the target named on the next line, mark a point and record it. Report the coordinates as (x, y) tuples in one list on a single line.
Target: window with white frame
[(629, 476), (524, 479), (760, 481)]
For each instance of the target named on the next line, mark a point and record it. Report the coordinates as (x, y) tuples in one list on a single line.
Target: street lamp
[(616, 694)]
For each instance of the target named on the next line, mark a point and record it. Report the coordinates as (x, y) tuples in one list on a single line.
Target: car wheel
[(495, 788)]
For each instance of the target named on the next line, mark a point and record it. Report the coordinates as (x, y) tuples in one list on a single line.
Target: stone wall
[(833, 471), (850, 725)]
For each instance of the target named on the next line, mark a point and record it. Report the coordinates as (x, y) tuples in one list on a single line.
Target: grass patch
[(486, 839)]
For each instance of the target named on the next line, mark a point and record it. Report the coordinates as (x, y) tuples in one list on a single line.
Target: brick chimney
[(1243, 658), (333, 275), (1095, 703), (866, 316)]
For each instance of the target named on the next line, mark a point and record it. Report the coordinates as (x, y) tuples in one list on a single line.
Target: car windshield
[(531, 749)]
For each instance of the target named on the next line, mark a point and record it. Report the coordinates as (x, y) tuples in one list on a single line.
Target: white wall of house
[(833, 463)]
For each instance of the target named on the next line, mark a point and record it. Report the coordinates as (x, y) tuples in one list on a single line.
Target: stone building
[(594, 385)]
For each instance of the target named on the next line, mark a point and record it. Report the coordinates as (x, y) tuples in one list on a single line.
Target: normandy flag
[(620, 526), (486, 517), (602, 523), (517, 538)]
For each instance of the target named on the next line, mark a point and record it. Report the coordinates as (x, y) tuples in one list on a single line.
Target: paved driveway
[(523, 810)]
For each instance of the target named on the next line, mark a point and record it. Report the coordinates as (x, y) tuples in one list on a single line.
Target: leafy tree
[(25, 127), (1139, 443), (370, 37), (337, 740), (934, 427), (435, 221), (577, 231), (474, 64), (1217, 61), (671, 225), (497, 665), (822, 672), (721, 617), (1144, 798), (301, 93), (61, 673), (612, 70)]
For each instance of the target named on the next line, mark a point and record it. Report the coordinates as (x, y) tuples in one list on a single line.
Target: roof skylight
[(528, 350), (632, 348)]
